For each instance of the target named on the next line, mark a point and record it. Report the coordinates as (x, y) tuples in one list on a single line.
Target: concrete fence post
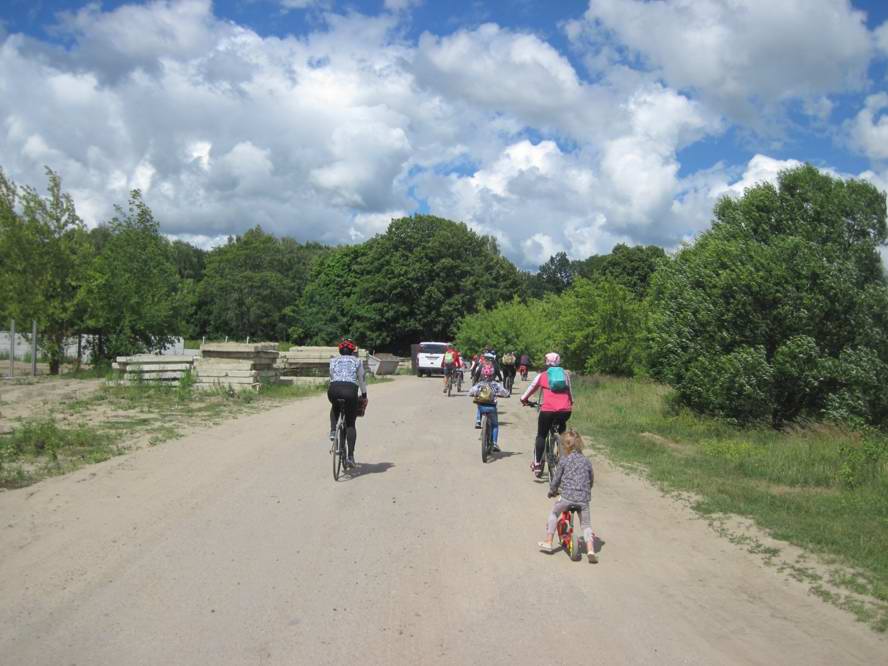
[(34, 348), (12, 348)]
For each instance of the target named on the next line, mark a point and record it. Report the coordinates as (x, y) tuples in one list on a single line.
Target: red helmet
[(347, 346)]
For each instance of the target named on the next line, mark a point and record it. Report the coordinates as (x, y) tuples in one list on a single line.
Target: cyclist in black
[(346, 378)]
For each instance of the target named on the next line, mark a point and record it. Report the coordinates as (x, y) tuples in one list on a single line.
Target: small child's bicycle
[(571, 542)]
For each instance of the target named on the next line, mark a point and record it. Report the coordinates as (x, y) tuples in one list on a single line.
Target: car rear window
[(432, 349)]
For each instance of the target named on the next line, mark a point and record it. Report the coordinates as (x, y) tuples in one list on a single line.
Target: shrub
[(781, 308)]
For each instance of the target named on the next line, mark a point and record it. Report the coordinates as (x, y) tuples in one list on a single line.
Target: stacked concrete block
[(235, 365), (152, 368), (311, 362)]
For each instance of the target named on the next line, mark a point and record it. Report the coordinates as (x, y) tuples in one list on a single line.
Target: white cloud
[(401, 5), (516, 74), (305, 4), (869, 128), (760, 169), (330, 135), (739, 54), (881, 35), (142, 35)]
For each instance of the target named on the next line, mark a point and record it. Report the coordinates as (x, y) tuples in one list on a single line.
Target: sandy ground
[(30, 397), (235, 546)]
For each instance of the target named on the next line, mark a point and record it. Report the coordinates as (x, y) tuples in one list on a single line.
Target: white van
[(429, 357)]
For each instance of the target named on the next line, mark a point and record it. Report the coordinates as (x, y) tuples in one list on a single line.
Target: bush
[(735, 386), (781, 309)]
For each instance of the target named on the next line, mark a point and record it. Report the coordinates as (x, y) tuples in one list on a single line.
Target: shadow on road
[(503, 454), (363, 469), (597, 543)]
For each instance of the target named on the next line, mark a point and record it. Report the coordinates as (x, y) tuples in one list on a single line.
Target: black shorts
[(348, 392), (547, 419)]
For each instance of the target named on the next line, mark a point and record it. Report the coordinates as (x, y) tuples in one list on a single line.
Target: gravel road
[(235, 546)]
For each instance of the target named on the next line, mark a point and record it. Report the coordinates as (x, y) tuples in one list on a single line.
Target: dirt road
[(235, 546)]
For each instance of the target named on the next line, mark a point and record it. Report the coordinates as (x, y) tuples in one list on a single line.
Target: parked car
[(429, 357)]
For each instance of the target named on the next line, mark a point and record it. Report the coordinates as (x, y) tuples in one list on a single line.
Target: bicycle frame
[(339, 449), (567, 535)]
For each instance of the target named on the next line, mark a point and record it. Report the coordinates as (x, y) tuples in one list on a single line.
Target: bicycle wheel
[(449, 385), (459, 383), (485, 438), (552, 453), (338, 449), (571, 541)]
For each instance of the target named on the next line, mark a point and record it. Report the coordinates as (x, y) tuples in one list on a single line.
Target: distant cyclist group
[(492, 377)]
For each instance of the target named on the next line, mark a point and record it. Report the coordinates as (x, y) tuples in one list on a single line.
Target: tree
[(632, 267), (251, 284), (601, 325), (44, 251), (554, 276), (415, 281), (131, 293), (783, 299), (531, 328)]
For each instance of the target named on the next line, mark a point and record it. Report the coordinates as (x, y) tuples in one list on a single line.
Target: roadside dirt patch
[(672, 445), (38, 397)]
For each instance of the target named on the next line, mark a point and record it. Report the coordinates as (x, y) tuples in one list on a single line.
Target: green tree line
[(778, 312)]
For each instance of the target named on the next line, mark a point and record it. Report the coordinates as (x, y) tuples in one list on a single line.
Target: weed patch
[(41, 448)]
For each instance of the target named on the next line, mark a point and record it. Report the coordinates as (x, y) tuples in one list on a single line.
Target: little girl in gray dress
[(573, 478)]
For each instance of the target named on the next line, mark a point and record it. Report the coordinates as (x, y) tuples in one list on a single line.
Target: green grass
[(819, 487), (39, 448)]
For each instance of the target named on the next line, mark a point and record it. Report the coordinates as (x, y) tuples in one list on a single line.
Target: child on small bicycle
[(485, 393), (573, 480)]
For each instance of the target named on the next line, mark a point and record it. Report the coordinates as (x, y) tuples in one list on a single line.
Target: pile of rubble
[(144, 368), (236, 365)]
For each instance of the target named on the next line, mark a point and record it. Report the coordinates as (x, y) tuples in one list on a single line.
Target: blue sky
[(551, 125)]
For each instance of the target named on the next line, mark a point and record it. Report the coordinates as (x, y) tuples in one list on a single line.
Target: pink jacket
[(552, 401)]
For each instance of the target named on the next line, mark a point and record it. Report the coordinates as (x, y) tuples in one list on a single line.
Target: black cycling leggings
[(349, 393), (544, 424)]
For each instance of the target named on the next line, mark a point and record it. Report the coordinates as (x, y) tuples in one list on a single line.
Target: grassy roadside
[(819, 487), (116, 419)]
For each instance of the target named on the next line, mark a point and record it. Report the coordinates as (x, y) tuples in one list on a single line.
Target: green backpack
[(556, 379)]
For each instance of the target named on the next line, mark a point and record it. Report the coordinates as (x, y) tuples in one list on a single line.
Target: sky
[(551, 125)]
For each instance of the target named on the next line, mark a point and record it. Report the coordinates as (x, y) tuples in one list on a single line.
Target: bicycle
[(553, 442), (571, 542), (339, 449), (459, 380), (450, 383), (486, 437), (509, 382)]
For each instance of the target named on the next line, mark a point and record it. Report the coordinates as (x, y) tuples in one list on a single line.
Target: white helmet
[(552, 358)]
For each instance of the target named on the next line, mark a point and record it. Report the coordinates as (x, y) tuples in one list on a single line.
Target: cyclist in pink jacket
[(557, 405)]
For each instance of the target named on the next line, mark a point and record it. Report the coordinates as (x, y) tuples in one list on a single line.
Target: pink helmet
[(552, 358)]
